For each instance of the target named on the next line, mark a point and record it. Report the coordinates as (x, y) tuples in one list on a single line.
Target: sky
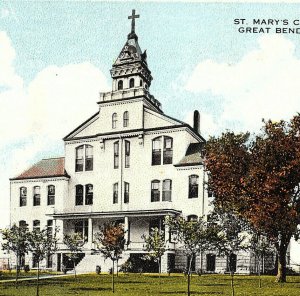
[(55, 58)]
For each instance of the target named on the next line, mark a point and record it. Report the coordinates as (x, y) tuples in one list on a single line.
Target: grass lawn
[(142, 285)]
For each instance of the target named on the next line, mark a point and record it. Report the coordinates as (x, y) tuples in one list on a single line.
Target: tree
[(261, 247), (194, 237), (232, 238), (155, 245), (259, 179), (74, 243), (42, 243), (110, 241), (15, 239)]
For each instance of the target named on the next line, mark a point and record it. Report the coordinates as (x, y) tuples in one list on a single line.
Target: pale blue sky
[(177, 36)]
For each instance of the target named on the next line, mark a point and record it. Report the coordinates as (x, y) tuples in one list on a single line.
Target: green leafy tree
[(42, 243), (258, 178), (110, 241), (15, 240), (193, 237), (74, 243), (232, 238), (155, 245)]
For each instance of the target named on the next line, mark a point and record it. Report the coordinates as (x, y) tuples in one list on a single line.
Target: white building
[(128, 162)]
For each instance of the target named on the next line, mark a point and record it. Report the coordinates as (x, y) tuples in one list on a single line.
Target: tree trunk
[(74, 265), (113, 279), (281, 273), (259, 277), (37, 279), (17, 272), (189, 274), (159, 267), (231, 275)]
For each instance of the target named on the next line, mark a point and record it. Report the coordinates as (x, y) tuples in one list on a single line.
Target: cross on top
[(133, 17)]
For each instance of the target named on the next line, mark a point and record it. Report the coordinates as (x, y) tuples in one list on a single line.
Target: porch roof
[(115, 214)]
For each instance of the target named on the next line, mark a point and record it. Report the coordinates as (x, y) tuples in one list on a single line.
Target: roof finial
[(133, 17)]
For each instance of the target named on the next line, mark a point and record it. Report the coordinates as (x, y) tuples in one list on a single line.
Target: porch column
[(126, 229), (90, 233), (167, 234)]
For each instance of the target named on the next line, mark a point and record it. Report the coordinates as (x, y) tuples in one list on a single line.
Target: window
[(82, 228), (131, 83), (167, 190), (193, 186), (115, 193), (156, 223), (22, 224), (84, 158), (36, 196), (155, 193), (50, 227), (114, 119), (231, 263), (127, 154), (88, 157), (210, 262), (141, 82), (192, 218), (79, 195), (49, 261), (120, 84), (116, 155), (167, 150), (156, 151), (23, 196), (79, 159), (51, 195), (125, 119), (126, 192), (36, 225), (89, 194)]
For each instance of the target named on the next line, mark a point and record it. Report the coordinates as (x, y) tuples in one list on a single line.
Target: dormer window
[(131, 83), (120, 84), (114, 120)]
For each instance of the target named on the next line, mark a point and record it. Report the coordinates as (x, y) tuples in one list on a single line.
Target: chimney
[(197, 121)]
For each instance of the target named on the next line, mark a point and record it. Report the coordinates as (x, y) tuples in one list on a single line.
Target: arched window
[(156, 151), (51, 195), (89, 194), (84, 158), (126, 119), (23, 196), (36, 196), (168, 150), (36, 224), (79, 195), (126, 192), (120, 84), (167, 190), (131, 83), (88, 157), (79, 159), (210, 262), (155, 190), (114, 120), (115, 193), (127, 154), (193, 186), (116, 154)]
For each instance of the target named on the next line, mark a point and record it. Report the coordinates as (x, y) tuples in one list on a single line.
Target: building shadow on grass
[(192, 293), (90, 289)]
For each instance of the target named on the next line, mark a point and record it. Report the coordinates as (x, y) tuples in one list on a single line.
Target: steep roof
[(192, 155), (50, 167)]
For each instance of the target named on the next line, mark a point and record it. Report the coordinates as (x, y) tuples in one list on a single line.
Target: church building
[(129, 162)]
